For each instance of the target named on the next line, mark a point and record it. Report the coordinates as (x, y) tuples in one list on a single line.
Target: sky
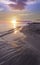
[(32, 8), (10, 5)]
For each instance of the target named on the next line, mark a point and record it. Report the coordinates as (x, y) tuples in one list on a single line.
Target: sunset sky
[(22, 9), (30, 5)]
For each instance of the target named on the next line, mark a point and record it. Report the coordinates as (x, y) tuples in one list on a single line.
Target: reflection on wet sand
[(16, 49)]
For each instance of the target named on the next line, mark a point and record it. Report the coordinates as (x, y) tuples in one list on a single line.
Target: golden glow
[(15, 31), (14, 23)]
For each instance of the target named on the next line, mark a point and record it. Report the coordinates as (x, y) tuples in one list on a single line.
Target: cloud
[(38, 0), (31, 2), (34, 7), (20, 4), (7, 2), (4, 7)]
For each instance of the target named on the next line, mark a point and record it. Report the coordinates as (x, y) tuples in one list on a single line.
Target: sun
[(14, 23)]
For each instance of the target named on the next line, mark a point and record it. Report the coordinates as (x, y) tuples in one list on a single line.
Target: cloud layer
[(4, 7), (20, 4), (34, 7), (31, 5)]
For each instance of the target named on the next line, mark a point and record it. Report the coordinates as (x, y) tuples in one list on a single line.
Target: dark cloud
[(18, 0), (20, 4), (13, 0)]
